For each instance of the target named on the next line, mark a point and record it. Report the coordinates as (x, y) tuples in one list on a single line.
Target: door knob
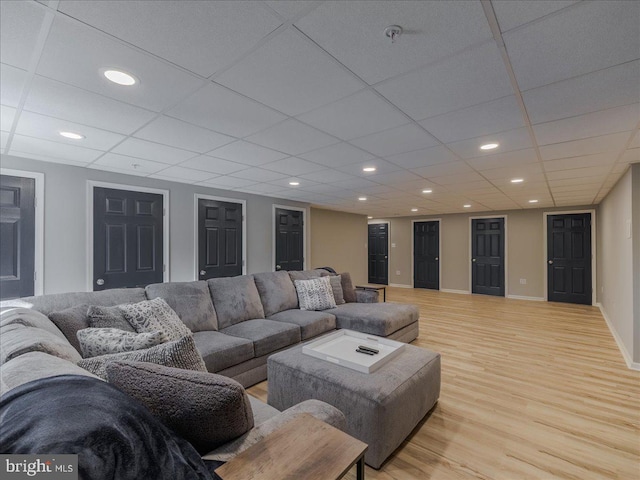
[(473, 260), (437, 259), (385, 257), (278, 268), (550, 262), (202, 272), (100, 282)]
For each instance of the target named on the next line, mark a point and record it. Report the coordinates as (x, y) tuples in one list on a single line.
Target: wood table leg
[(360, 468)]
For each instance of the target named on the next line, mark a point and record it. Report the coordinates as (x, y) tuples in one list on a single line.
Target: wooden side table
[(305, 448), (375, 288)]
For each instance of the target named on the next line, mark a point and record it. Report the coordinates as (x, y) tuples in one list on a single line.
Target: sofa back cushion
[(348, 290), (235, 299), (16, 340), (307, 274), (277, 292), (190, 300)]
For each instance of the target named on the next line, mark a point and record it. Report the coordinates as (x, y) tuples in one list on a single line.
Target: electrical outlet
[(523, 281), (397, 272)]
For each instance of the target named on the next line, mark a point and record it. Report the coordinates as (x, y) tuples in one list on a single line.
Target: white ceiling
[(250, 95)]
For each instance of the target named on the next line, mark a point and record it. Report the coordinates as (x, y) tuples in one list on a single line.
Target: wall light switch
[(393, 245), (523, 281), (397, 272)]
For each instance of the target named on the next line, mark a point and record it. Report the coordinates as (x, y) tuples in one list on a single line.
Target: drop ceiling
[(252, 95)]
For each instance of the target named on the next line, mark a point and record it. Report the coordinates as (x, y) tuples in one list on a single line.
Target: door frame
[(506, 251), (413, 241), (202, 196), (388, 224), (305, 231), (594, 283), (38, 254), (91, 184)]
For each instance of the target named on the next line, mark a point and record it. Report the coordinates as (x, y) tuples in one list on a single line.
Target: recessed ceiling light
[(294, 184), (467, 206), (414, 209), (517, 180), (362, 199), (369, 217), (369, 169), (427, 190), (72, 135), (533, 201), (488, 146), (120, 77)]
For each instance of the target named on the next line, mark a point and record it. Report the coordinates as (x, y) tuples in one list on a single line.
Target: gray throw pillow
[(336, 287), (108, 317), (315, 294), (206, 409), (180, 353), (69, 321), (348, 290), (153, 316), (102, 341)]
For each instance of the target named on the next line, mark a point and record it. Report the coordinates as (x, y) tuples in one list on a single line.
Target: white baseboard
[(449, 290), (623, 349), (400, 285), (523, 297)]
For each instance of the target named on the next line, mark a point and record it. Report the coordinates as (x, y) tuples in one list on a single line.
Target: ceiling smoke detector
[(393, 32)]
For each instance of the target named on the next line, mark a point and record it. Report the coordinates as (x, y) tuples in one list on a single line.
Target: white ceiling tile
[(608, 88), (338, 154), (423, 157), (7, 115), (498, 160), (396, 140), (4, 139), (517, 139), (52, 151), (635, 143), (175, 133), (457, 178), (228, 182), (135, 147), (11, 86), (293, 166), (172, 179), (324, 188), (124, 162), (290, 74), (123, 171), (354, 183), (247, 153), (356, 116), (49, 128), (59, 100), (472, 77), (576, 180), (618, 119), (449, 168), (20, 23), (325, 176), (579, 173), (512, 14), (262, 188), (491, 117), (292, 137), (585, 38), (597, 160), (631, 155), (604, 143), (587, 187), (620, 167), (381, 167), (532, 181), (513, 171), (218, 108), (185, 174), (295, 189), (257, 175), (213, 165), (353, 32), (395, 178), (290, 8), (477, 188), (200, 36)]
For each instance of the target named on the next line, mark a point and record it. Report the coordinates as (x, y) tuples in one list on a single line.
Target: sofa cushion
[(35, 365), (16, 340), (277, 292), (69, 321), (348, 290), (311, 323), (307, 274), (220, 351), (336, 287), (180, 353), (190, 300), (235, 299), (153, 316), (380, 319), (206, 409), (267, 335), (315, 294), (102, 341), (29, 318), (108, 317)]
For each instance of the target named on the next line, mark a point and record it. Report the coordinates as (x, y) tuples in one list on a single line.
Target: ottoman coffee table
[(381, 407)]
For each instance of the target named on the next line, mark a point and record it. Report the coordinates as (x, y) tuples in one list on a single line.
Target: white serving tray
[(340, 348)]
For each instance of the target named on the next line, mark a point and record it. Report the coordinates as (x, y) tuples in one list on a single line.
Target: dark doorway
[(569, 258), (127, 238), (219, 239), (487, 261), (379, 253), (289, 239), (426, 255), (17, 236)]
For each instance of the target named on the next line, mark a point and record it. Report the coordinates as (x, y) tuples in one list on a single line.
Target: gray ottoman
[(382, 408)]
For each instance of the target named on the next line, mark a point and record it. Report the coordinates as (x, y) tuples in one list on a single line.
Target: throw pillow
[(336, 287), (347, 288), (102, 341), (180, 353), (315, 294), (69, 321), (153, 316), (108, 317), (206, 409)]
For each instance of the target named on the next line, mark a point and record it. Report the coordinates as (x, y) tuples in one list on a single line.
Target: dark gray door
[(127, 238), (17, 236), (426, 255), (289, 239), (219, 239), (379, 253), (487, 261), (569, 258)]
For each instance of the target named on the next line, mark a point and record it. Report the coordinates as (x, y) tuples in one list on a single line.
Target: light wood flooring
[(529, 390)]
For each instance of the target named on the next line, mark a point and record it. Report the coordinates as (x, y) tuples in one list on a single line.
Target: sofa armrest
[(366, 296), (320, 410)]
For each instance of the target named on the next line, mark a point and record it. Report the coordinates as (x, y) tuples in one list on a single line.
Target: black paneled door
[(17, 236), (379, 253), (487, 256), (127, 238), (219, 239), (426, 255), (569, 258), (289, 239)]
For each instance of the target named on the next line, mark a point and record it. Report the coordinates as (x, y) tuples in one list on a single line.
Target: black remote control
[(364, 351), (368, 349)]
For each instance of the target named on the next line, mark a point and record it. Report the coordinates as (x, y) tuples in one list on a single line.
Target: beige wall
[(635, 222), (339, 240)]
